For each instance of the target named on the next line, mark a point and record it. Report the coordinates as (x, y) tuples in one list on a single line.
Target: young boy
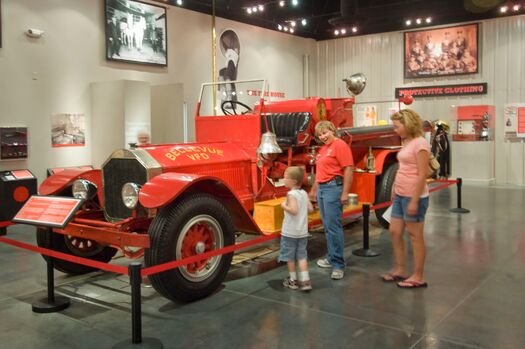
[(294, 234)]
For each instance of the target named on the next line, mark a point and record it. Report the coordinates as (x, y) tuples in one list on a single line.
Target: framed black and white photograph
[(441, 52), (136, 32), (0, 23)]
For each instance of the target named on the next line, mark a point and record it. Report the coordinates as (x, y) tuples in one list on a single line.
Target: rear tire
[(384, 191), (196, 224), (76, 247)]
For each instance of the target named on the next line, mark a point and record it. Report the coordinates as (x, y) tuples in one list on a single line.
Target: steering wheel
[(233, 105)]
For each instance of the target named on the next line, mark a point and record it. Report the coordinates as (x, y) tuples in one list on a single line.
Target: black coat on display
[(441, 150)]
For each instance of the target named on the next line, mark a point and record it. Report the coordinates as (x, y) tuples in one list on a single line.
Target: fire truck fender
[(56, 183), (167, 187), (382, 157)]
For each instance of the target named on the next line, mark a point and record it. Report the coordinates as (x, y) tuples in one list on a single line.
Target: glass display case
[(13, 143), (473, 123)]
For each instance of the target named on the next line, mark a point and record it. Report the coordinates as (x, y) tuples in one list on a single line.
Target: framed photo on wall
[(441, 52), (136, 32)]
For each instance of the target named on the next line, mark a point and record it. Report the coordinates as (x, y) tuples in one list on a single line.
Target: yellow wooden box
[(269, 215)]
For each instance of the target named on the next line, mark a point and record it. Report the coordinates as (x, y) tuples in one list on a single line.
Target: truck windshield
[(232, 97)]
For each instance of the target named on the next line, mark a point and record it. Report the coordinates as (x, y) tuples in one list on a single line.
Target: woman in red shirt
[(334, 165), (410, 199)]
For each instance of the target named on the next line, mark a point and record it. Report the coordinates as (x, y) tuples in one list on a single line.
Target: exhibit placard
[(50, 211), (442, 90)]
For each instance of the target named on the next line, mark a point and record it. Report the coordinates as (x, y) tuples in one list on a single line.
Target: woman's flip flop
[(393, 278), (411, 284)]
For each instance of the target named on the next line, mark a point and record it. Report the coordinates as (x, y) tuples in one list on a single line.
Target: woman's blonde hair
[(296, 173), (411, 120), (325, 125)]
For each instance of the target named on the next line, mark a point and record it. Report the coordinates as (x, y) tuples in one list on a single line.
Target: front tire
[(198, 223), (384, 192), (76, 247)]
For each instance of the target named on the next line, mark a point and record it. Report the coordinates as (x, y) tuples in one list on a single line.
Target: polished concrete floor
[(475, 269)]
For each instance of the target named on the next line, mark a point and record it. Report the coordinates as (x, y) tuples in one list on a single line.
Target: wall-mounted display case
[(13, 143), (473, 123)]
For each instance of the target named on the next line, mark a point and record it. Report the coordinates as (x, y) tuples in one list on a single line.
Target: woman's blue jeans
[(331, 209)]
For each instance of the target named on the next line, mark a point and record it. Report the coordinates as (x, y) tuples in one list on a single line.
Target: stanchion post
[(366, 251), (459, 209), (137, 341), (51, 303)]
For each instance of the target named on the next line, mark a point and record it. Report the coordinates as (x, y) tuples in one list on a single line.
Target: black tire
[(384, 191), (199, 222), (76, 247)]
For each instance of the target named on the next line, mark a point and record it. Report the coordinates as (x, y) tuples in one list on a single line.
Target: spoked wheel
[(197, 224), (384, 192), (74, 246), (233, 106), (201, 234)]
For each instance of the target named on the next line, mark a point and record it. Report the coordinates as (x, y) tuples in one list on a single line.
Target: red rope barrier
[(443, 186), (175, 264), (6, 224), (60, 255)]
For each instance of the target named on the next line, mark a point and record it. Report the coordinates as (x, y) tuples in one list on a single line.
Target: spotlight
[(261, 8), (354, 29), (249, 10), (254, 9), (303, 21), (336, 32), (295, 2), (285, 29), (280, 27), (503, 9), (291, 30), (408, 22), (516, 7), (428, 20), (281, 3), (292, 23), (343, 31), (418, 21), (179, 2)]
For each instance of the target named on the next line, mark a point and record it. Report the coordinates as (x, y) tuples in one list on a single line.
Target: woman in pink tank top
[(410, 199)]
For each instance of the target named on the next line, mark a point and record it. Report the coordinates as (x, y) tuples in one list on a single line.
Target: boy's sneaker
[(305, 285), (292, 284), (323, 263), (337, 274)]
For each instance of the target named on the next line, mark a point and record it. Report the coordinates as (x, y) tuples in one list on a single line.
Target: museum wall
[(380, 58), (55, 73)]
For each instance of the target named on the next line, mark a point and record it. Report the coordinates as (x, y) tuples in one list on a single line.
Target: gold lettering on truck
[(195, 153)]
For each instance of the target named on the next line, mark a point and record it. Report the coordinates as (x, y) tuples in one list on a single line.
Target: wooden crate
[(269, 215)]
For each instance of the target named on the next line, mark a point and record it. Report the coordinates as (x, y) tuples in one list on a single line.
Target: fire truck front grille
[(116, 173)]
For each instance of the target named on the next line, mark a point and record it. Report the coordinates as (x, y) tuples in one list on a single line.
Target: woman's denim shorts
[(399, 209), (292, 249)]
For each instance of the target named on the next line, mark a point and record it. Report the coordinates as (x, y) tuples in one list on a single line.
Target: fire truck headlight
[(83, 189), (130, 195)]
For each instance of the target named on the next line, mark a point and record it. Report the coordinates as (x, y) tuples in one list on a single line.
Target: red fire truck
[(172, 201)]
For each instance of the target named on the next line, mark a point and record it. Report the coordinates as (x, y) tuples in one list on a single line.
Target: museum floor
[(475, 269)]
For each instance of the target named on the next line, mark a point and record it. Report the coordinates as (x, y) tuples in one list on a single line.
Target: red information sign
[(22, 174), (521, 121), (51, 211)]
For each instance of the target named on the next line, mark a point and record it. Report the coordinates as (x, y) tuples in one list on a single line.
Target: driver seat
[(286, 126)]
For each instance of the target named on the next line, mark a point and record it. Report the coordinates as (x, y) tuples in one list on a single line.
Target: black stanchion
[(366, 251), (3, 231), (51, 303), (459, 209), (136, 314)]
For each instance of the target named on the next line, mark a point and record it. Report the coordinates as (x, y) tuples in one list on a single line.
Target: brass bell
[(268, 149)]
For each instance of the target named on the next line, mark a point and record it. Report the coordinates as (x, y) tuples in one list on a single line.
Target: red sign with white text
[(51, 211)]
